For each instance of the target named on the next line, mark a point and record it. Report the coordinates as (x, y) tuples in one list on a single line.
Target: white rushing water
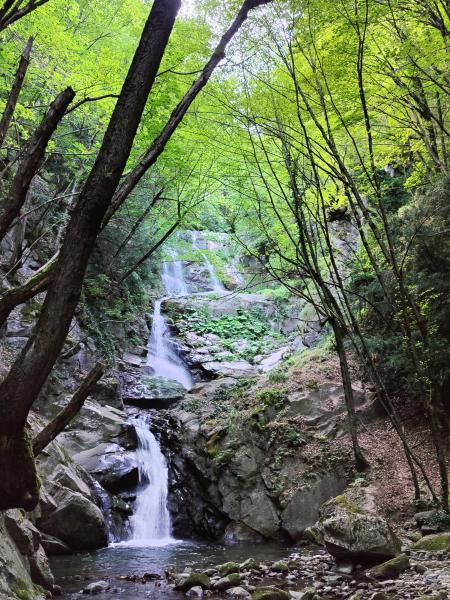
[(216, 284), (162, 351), (150, 523)]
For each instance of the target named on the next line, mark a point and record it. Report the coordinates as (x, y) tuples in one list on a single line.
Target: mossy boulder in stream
[(270, 593), (434, 543), (193, 580), (229, 567), (391, 569)]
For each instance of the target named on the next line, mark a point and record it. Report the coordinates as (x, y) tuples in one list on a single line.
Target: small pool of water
[(75, 571)]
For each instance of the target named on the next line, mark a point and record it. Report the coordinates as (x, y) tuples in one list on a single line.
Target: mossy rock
[(193, 580), (280, 566), (434, 543), (270, 593), (228, 568), (310, 594), (249, 565), (225, 583), (391, 569)]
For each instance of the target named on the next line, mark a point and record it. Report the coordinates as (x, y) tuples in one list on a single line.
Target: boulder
[(432, 521), (228, 567), (23, 532), (195, 592), (76, 521), (53, 546), (193, 580), (236, 368), (225, 583), (351, 533), (97, 587), (152, 392), (270, 593), (237, 592), (113, 467), (434, 543), (280, 566), (391, 569)]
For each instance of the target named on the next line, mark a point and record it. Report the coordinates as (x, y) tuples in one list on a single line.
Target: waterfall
[(216, 284), (150, 523), (173, 277), (162, 351)]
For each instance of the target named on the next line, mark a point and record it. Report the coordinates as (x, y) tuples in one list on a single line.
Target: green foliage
[(246, 324)]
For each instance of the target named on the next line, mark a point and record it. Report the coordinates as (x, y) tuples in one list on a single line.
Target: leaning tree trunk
[(65, 416), (30, 371), (32, 157), (15, 91), (360, 462)]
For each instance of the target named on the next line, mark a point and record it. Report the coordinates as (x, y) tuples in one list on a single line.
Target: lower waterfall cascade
[(150, 523)]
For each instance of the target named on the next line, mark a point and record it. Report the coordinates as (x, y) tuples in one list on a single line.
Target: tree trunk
[(36, 284), (360, 462), (30, 371), (63, 418), (15, 91), (30, 162)]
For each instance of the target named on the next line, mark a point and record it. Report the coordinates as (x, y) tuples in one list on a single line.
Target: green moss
[(270, 593), (346, 504), (234, 579), (434, 543), (228, 568), (391, 569), (22, 591), (280, 566), (193, 580)]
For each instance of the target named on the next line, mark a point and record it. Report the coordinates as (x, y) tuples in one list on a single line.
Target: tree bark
[(15, 91), (360, 462), (63, 418), (178, 113), (31, 369), (30, 162), (36, 284)]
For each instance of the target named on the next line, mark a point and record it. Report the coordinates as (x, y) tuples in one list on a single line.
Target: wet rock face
[(114, 468), (151, 392), (351, 533), (23, 562)]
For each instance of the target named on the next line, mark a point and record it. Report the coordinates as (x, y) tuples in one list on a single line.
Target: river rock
[(195, 592), (228, 567), (434, 543), (237, 592), (270, 593), (76, 521), (193, 580), (391, 569), (351, 533), (224, 583), (96, 587)]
